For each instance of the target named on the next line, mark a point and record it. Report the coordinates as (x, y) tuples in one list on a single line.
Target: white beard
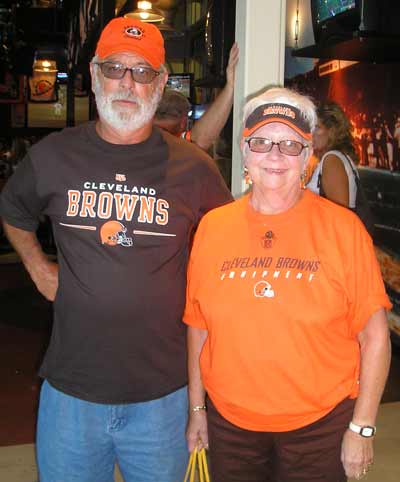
[(125, 119)]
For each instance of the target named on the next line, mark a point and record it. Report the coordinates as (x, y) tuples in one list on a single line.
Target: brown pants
[(309, 454)]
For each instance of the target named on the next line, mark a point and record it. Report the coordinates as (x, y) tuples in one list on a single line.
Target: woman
[(287, 328), (333, 145)]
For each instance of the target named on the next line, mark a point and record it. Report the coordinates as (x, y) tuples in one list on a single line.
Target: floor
[(25, 324)]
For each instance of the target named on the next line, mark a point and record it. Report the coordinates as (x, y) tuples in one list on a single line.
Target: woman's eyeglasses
[(286, 146), (112, 70)]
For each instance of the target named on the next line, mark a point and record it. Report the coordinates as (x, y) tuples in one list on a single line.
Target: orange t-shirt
[(283, 298)]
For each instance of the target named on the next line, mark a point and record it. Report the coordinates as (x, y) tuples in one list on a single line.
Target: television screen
[(181, 83), (326, 9), (197, 111)]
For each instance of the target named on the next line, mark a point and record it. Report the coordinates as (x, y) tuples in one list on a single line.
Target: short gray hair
[(173, 104)]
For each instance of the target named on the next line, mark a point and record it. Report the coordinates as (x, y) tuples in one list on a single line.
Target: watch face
[(367, 431)]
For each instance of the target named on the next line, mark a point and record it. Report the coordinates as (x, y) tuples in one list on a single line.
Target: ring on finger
[(361, 474)]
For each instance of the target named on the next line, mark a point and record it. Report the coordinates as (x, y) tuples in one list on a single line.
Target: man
[(123, 199), (172, 112)]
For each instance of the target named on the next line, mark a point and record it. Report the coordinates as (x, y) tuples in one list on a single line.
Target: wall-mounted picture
[(373, 108)]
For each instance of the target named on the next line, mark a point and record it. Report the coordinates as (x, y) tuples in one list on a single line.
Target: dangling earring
[(303, 180), (246, 176)]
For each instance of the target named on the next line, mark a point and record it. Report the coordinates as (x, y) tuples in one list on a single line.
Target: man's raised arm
[(210, 125)]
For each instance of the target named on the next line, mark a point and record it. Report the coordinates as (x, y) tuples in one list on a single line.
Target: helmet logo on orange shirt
[(263, 289), (268, 240), (113, 233)]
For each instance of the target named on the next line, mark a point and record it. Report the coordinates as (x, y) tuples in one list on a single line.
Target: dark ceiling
[(27, 30)]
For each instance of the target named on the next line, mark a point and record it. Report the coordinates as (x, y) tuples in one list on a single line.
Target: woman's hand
[(196, 432), (357, 454)]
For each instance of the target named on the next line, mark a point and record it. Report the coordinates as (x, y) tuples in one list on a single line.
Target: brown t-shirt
[(123, 218)]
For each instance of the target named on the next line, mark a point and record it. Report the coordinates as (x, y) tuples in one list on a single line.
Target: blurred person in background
[(173, 110), (333, 145)]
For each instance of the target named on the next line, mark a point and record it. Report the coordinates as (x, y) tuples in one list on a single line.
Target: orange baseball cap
[(128, 35)]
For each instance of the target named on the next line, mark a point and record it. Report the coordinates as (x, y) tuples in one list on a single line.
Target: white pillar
[(260, 33)]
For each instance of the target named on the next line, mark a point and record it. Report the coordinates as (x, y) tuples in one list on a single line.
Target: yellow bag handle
[(197, 460), (203, 467), (191, 468)]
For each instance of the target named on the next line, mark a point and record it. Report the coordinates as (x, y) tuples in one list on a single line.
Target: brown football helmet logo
[(113, 233)]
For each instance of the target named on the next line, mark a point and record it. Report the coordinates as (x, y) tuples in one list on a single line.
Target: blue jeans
[(79, 441)]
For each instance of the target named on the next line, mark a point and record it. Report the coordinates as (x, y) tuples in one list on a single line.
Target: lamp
[(146, 13), (44, 65)]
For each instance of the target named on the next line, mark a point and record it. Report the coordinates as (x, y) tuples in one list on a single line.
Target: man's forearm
[(210, 125), (206, 130), (44, 273), (26, 244)]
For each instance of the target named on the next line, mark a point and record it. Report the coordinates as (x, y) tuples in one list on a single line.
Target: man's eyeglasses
[(286, 146), (112, 70)]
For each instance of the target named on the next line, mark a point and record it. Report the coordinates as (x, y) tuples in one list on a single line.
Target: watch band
[(363, 430)]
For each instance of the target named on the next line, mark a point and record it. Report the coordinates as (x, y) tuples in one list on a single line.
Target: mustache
[(125, 95)]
